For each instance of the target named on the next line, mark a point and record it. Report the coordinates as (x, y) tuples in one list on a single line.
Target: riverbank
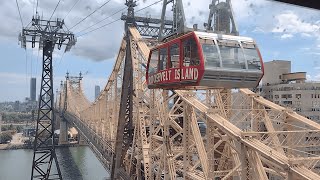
[(13, 146), (23, 146), (18, 140)]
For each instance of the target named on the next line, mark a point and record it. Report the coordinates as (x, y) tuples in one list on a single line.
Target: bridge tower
[(74, 82), (63, 136), (48, 34), (124, 134)]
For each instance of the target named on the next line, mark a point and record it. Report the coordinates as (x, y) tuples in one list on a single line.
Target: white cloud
[(308, 77), (286, 36), (313, 78), (289, 22), (98, 45)]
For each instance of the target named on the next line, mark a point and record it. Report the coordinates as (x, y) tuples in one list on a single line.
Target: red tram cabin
[(200, 60)]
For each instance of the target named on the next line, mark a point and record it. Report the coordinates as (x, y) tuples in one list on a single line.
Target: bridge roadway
[(100, 147)]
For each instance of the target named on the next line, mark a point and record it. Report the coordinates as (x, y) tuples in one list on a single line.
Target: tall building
[(96, 91), (16, 106), (33, 90), (0, 122), (291, 89)]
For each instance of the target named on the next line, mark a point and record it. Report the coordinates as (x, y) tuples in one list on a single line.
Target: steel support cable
[(149, 5), (54, 9), (71, 9), (102, 20), (90, 14), (100, 27), (19, 13), (37, 7), (117, 19), (25, 50), (34, 5)]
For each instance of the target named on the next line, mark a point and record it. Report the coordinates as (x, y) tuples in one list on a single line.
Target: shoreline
[(4, 147)]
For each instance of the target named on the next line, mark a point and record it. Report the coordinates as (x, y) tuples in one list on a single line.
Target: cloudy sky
[(282, 31)]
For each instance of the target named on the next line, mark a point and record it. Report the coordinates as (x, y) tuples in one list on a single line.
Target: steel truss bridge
[(247, 136)]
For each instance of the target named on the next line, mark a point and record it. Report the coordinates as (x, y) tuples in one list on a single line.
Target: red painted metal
[(177, 77), (184, 77)]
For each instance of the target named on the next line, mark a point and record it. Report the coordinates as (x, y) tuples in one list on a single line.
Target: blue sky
[(282, 32)]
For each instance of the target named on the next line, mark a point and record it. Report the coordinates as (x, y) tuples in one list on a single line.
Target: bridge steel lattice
[(247, 137)]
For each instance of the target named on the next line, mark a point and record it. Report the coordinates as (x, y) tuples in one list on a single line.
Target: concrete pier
[(63, 137)]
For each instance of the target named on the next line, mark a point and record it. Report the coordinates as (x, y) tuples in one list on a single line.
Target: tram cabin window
[(251, 55), (163, 59), (174, 56), (190, 53), (153, 65), (231, 54), (210, 53)]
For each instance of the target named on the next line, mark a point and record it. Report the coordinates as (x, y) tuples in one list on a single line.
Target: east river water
[(76, 163)]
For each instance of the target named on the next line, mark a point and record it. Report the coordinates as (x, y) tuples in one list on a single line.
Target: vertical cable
[(19, 13)]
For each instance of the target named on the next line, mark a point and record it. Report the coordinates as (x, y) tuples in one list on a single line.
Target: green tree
[(19, 129), (5, 137), (4, 128), (10, 127)]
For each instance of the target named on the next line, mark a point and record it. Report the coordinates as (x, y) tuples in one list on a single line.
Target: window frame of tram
[(194, 59), (231, 52), (210, 53), (163, 59), (248, 48), (154, 69), (174, 64)]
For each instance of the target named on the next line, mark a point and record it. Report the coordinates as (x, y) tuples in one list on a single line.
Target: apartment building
[(291, 90)]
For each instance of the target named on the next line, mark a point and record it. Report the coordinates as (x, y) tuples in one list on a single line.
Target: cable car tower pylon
[(221, 19), (221, 14), (178, 25), (48, 34)]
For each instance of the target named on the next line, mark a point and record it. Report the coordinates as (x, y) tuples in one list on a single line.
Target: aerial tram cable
[(90, 14), (34, 6), (71, 9), (37, 7), (116, 20), (25, 50), (102, 20), (54, 10), (100, 27), (19, 13), (149, 5)]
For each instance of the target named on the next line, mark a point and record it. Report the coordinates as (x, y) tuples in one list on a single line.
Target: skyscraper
[(0, 122), (33, 90), (96, 91)]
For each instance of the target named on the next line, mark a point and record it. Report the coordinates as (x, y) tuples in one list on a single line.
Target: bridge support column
[(81, 140), (63, 137)]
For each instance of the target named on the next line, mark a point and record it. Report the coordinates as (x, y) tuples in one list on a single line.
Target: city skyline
[(288, 33)]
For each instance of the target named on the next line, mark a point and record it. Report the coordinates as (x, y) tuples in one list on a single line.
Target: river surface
[(76, 163)]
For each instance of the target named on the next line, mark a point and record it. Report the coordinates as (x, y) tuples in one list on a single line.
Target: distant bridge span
[(246, 136)]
